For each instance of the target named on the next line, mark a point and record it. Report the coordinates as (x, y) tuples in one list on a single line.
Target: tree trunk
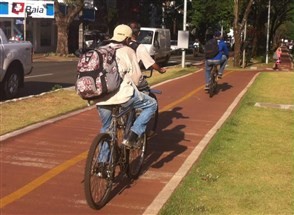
[(63, 21), (62, 38), (237, 47), (238, 28), (237, 34)]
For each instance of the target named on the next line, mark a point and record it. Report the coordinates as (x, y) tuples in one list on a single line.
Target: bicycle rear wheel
[(213, 83), (99, 172), (136, 157)]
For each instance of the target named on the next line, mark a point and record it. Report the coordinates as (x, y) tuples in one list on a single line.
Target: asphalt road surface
[(47, 76)]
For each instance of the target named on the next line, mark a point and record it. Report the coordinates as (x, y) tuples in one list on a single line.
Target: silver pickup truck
[(16, 61)]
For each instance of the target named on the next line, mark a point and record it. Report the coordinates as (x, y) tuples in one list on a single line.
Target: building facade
[(33, 20), (29, 20)]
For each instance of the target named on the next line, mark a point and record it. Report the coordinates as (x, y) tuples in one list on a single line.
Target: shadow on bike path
[(42, 169)]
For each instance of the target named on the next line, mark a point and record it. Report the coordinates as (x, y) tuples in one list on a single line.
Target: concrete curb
[(40, 124)]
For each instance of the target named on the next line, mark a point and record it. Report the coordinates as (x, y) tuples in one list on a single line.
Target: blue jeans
[(147, 104), (210, 63), (140, 100)]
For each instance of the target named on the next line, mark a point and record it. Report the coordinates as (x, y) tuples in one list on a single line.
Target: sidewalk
[(46, 57)]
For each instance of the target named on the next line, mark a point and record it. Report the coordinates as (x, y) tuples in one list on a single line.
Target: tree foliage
[(237, 13), (282, 13), (203, 14), (211, 14)]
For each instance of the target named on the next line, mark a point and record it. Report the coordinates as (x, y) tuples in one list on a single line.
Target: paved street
[(51, 72)]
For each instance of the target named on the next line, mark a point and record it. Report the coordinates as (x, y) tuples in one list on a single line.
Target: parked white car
[(16, 61), (157, 43)]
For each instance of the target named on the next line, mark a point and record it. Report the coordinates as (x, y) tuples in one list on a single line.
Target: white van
[(157, 43)]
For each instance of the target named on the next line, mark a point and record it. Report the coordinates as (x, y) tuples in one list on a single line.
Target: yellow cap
[(121, 32)]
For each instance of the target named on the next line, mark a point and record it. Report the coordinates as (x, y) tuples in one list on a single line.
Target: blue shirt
[(223, 50)]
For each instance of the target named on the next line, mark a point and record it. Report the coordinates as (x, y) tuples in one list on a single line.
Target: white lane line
[(36, 76)]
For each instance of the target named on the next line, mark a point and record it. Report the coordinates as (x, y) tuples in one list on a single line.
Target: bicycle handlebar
[(151, 73)]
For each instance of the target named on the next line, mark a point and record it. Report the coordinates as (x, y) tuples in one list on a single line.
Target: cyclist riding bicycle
[(219, 59), (141, 52), (128, 94), (144, 59)]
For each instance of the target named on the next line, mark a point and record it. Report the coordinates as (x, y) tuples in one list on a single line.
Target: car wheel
[(11, 83)]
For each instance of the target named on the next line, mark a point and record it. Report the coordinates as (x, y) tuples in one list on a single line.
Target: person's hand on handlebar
[(158, 68), (162, 70)]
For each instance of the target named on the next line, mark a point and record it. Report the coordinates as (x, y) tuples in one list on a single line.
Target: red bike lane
[(42, 169)]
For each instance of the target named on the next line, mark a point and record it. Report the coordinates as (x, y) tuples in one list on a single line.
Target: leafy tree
[(211, 15), (282, 13), (285, 31), (63, 21)]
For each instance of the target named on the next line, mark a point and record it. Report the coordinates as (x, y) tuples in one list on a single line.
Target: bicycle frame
[(118, 114)]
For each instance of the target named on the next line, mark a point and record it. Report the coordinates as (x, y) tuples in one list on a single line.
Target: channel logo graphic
[(18, 7), (50, 9), (4, 8)]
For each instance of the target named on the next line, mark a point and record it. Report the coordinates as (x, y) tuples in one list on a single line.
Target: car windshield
[(145, 37)]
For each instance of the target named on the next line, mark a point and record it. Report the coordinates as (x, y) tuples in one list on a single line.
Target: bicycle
[(101, 167), (212, 86)]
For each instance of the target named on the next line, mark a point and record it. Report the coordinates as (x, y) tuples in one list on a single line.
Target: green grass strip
[(248, 166), (21, 113)]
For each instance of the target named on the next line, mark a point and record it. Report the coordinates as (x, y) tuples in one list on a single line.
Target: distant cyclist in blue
[(220, 59)]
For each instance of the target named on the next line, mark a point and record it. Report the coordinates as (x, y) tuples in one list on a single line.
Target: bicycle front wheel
[(99, 172), (136, 157), (212, 87)]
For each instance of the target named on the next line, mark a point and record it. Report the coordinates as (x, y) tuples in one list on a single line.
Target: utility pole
[(25, 26), (184, 29), (26, 15), (81, 31), (163, 16), (267, 34)]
